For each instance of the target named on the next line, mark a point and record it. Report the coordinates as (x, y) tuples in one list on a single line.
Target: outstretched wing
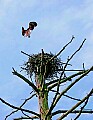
[(23, 31), (32, 25)]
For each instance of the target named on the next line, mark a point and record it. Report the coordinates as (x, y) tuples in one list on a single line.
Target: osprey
[(26, 33)]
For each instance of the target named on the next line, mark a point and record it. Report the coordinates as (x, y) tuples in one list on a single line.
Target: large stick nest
[(41, 64)]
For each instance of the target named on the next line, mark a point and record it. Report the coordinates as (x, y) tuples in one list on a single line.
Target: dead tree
[(50, 73)]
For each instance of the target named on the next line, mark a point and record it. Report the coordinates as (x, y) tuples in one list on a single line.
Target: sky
[(57, 21)]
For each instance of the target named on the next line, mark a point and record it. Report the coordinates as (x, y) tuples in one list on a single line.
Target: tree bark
[(42, 98)]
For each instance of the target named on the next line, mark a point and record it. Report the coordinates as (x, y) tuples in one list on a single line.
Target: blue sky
[(57, 21)]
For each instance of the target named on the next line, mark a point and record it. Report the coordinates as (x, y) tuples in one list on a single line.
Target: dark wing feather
[(32, 25), (23, 31)]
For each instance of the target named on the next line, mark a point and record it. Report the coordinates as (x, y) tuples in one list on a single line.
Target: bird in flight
[(26, 33)]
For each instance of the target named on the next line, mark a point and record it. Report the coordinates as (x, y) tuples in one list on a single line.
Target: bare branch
[(18, 108), (72, 97), (42, 80), (27, 99), (75, 106), (54, 83), (71, 58), (26, 80), (74, 82), (54, 91), (31, 118), (64, 91), (80, 112), (67, 96), (26, 115), (74, 111), (61, 49), (26, 54), (58, 84), (72, 70)]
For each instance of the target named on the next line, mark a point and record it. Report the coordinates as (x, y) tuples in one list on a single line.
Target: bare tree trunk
[(42, 98)]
